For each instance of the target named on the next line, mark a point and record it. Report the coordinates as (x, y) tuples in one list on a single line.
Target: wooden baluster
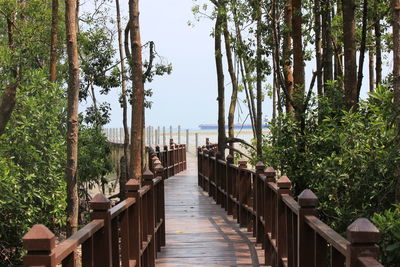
[(306, 239), (100, 206), (167, 162), (242, 193), (161, 204), (211, 170), (258, 201), (88, 253), (363, 237), (184, 157), (115, 242), (217, 175), (39, 242), (229, 184), (199, 167), (270, 174), (148, 177), (206, 171), (284, 185), (135, 239)]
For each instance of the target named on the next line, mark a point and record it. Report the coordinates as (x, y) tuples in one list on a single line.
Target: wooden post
[(242, 216), (258, 200), (135, 239), (179, 134), (306, 242), (284, 185), (100, 206), (363, 237), (159, 169), (148, 177), (187, 138), (158, 135), (229, 184), (39, 242)]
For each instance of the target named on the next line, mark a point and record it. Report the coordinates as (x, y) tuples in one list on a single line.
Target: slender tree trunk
[(371, 68), (360, 74), (135, 167), (327, 44), (378, 47), (220, 81), (235, 89), (287, 47), (350, 66), (338, 51), (123, 176), (274, 93), (318, 46), (298, 62), (54, 41), (259, 77), (72, 118), (396, 84)]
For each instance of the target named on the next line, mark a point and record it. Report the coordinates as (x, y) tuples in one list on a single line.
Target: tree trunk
[(378, 47), (318, 45), (371, 66), (7, 103), (72, 118), (287, 47), (350, 66), (360, 74), (327, 44), (220, 81), (235, 89), (53, 41), (298, 63), (124, 173), (135, 167), (259, 77), (396, 84)]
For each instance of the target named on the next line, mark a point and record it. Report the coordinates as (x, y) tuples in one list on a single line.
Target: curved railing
[(290, 231)]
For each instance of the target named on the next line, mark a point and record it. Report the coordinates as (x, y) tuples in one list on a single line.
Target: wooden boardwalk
[(198, 232)]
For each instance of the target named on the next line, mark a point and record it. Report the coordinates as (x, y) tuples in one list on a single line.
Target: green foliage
[(347, 158), (388, 223), (32, 162)]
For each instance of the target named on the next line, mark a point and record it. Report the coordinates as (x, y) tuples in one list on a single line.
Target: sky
[(188, 96)]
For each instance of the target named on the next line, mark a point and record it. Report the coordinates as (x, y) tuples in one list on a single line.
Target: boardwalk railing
[(128, 234), (290, 231)]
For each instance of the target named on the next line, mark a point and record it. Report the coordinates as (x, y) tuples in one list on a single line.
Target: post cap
[(165, 147), (218, 155), (307, 198), (132, 185), (100, 202), (148, 175), (229, 158), (157, 162), (39, 238), (270, 172), (362, 231), (260, 166), (284, 182), (159, 168)]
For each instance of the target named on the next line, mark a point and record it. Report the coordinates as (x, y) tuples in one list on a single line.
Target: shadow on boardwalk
[(198, 231)]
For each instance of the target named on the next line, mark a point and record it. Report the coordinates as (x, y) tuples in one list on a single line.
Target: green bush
[(32, 162), (347, 158), (388, 223)]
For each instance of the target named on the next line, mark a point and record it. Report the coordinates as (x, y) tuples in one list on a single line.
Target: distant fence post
[(170, 132), (179, 134), (197, 140), (164, 137), (187, 138)]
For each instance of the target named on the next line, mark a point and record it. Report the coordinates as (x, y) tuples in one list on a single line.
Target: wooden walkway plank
[(198, 232)]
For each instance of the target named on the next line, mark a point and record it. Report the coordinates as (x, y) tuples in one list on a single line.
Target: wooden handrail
[(290, 231), (128, 234)]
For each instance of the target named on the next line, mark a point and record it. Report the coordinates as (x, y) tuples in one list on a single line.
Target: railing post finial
[(363, 236), (39, 242)]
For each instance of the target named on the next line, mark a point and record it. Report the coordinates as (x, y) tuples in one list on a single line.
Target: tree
[(71, 175), (349, 41), (396, 83), (135, 166), (54, 41), (124, 102)]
